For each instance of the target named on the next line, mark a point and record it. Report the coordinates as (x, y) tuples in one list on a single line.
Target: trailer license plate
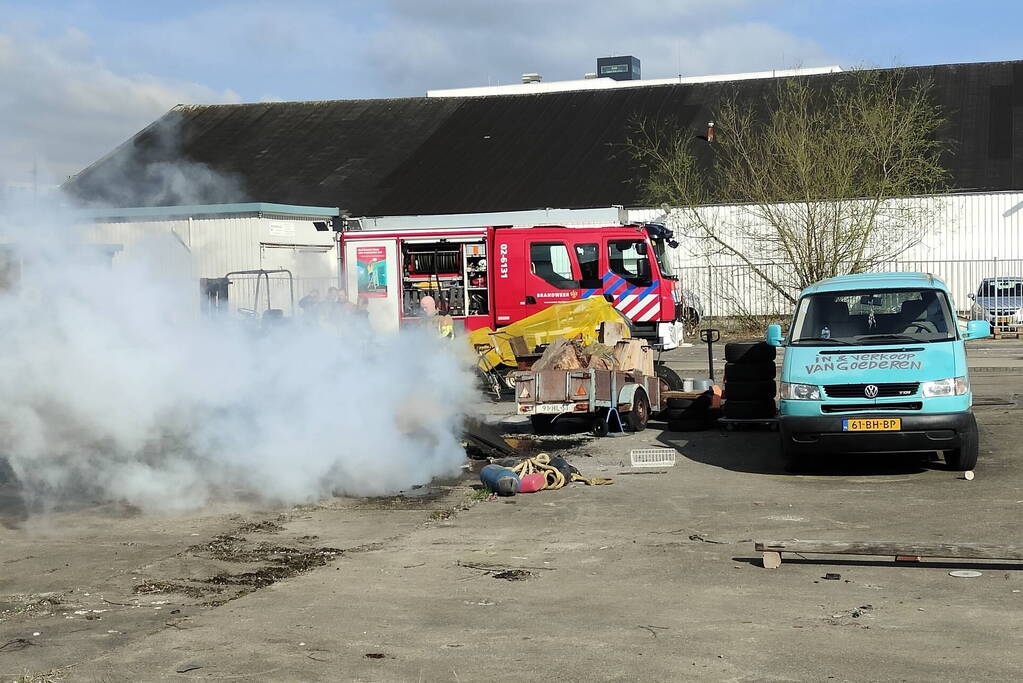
[(886, 424), (555, 408)]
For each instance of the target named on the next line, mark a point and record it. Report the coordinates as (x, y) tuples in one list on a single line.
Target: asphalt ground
[(652, 578)]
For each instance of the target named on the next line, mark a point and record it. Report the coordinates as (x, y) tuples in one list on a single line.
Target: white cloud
[(63, 105), (62, 108), (430, 45)]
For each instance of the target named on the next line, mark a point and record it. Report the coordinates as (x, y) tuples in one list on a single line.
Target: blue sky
[(78, 77)]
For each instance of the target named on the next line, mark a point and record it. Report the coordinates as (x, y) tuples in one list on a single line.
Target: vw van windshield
[(893, 316)]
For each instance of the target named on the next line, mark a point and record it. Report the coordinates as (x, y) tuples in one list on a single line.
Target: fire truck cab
[(494, 276)]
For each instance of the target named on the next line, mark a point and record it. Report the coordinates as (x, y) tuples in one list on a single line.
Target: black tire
[(680, 403), (508, 378), (965, 457), (690, 425), (749, 372), (793, 462), (751, 391), (542, 424), (693, 413), (749, 352), (796, 462), (640, 413), (750, 410), (668, 377)]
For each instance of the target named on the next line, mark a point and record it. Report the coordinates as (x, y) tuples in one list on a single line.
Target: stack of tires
[(688, 414), (749, 381)]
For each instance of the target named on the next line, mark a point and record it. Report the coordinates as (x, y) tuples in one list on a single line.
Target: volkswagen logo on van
[(870, 391)]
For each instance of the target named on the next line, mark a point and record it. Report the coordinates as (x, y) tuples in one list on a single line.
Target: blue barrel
[(500, 480)]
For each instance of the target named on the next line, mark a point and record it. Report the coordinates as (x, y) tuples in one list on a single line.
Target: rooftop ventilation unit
[(531, 78), (624, 68)]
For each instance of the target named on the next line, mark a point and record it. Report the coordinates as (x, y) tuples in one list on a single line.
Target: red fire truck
[(494, 276)]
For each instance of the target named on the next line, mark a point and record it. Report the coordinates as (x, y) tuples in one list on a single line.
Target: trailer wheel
[(640, 413), (542, 424)]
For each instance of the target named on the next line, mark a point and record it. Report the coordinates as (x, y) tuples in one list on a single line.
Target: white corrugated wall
[(974, 235), (217, 245)]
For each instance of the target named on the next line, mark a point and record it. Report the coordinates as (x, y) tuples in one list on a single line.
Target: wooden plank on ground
[(966, 551), (681, 394)]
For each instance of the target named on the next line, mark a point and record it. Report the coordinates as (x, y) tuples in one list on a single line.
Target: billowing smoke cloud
[(152, 169), (112, 387)]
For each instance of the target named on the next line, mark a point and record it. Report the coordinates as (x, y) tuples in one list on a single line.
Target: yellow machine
[(580, 318)]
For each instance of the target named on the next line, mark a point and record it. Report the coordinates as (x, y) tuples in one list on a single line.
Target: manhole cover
[(965, 574)]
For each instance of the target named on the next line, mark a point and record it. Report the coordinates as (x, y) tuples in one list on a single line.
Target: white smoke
[(112, 387)]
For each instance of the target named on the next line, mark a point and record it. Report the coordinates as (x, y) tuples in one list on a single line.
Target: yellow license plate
[(884, 424)]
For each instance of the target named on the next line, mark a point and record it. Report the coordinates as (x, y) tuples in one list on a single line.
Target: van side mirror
[(641, 248), (774, 337), (977, 329)]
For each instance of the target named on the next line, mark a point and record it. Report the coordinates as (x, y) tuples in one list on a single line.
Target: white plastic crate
[(652, 457)]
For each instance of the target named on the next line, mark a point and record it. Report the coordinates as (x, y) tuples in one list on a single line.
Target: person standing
[(445, 324)]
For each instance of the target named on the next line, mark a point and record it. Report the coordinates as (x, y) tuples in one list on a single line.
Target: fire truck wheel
[(542, 424), (640, 413)]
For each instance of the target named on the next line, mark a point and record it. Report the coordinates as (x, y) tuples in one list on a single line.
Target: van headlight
[(953, 386), (800, 392)]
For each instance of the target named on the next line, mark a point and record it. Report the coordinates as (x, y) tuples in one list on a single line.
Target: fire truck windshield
[(663, 259)]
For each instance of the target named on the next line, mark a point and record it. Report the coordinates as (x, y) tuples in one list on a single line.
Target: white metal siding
[(213, 246), (970, 232), (218, 244), (967, 226)]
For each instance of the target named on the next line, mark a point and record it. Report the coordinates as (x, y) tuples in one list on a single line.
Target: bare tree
[(814, 172)]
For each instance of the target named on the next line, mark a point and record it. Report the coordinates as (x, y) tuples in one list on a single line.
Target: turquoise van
[(875, 363)]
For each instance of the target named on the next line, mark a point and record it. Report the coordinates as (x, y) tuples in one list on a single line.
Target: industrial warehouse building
[(561, 146)]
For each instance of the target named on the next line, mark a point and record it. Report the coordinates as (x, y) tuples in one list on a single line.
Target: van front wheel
[(794, 462), (965, 457)]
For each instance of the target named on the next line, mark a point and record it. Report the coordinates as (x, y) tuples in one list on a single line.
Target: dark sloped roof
[(477, 154)]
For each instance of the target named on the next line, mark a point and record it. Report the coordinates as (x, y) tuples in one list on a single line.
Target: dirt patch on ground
[(513, 575), (279, 561), (39, 604), (265, 526), (195, 592)]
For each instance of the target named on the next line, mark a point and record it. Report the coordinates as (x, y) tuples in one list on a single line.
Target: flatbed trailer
[(611, 399)]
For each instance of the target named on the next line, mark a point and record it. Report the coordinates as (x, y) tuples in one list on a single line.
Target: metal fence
[(738, 291), (250, 294)]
